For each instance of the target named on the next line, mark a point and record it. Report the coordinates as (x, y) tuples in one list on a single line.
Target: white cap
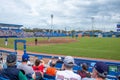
[(69, 61), (59, 58)]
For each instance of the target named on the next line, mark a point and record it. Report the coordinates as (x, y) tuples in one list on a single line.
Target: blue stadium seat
[(112, 73), (90, 69), (48, 77), (111, 78), (92, 64), (58, 65), (2, 78), (76, 68)]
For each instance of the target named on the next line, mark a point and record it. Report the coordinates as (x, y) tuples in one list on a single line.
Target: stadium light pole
[(51, 21), (92, 19)]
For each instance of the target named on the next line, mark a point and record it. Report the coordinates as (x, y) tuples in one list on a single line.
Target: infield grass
[(105, 48)]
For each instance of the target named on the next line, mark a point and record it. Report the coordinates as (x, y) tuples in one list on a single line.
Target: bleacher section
[(114, 67), (20, 33), (10, 30), (13, 30), (11, 33), (48, 34)]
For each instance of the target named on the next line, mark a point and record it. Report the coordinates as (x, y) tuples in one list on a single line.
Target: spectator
[(11, 71), (84, 72), (38, 67), (29, 63), (68, 73), (37, 76), (59, 60), (23, 66), (1, 67), (1, 61), (99, 72), (42, 62), (118, 77), (51, 60), (51, 70), (1, 58)]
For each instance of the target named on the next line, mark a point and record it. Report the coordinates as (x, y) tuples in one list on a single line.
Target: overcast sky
[(72, 14)]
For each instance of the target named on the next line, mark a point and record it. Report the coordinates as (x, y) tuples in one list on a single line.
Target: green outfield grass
[(106, 48)]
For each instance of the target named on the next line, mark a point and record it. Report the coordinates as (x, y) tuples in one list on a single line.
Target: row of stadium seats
[(114, 67)]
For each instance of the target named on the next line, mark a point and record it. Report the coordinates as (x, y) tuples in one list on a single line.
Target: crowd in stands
[(21, 33), (15, 33), (10, 33), (46, 34), (38, 70), (28, 34)]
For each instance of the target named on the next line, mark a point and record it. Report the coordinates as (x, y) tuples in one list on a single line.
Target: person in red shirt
[(38, 67)]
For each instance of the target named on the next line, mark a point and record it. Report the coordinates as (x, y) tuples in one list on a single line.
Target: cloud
[(67, 13)]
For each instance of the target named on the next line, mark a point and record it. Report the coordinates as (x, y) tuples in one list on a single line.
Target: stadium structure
[(10, 30), (15, 31)]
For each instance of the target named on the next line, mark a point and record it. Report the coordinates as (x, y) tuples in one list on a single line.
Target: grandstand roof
[(10, 25)]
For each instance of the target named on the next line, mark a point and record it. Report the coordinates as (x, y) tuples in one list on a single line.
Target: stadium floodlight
[(51, 21), (92, 28)]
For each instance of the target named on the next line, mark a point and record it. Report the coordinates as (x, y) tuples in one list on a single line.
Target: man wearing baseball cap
[(24, 66), (68, 73), (100, 71), (11, 72)]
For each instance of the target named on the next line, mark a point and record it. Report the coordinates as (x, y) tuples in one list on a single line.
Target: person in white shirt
[(99, 72), (68, 73)]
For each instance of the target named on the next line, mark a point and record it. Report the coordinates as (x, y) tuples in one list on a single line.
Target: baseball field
[(103, 48)]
